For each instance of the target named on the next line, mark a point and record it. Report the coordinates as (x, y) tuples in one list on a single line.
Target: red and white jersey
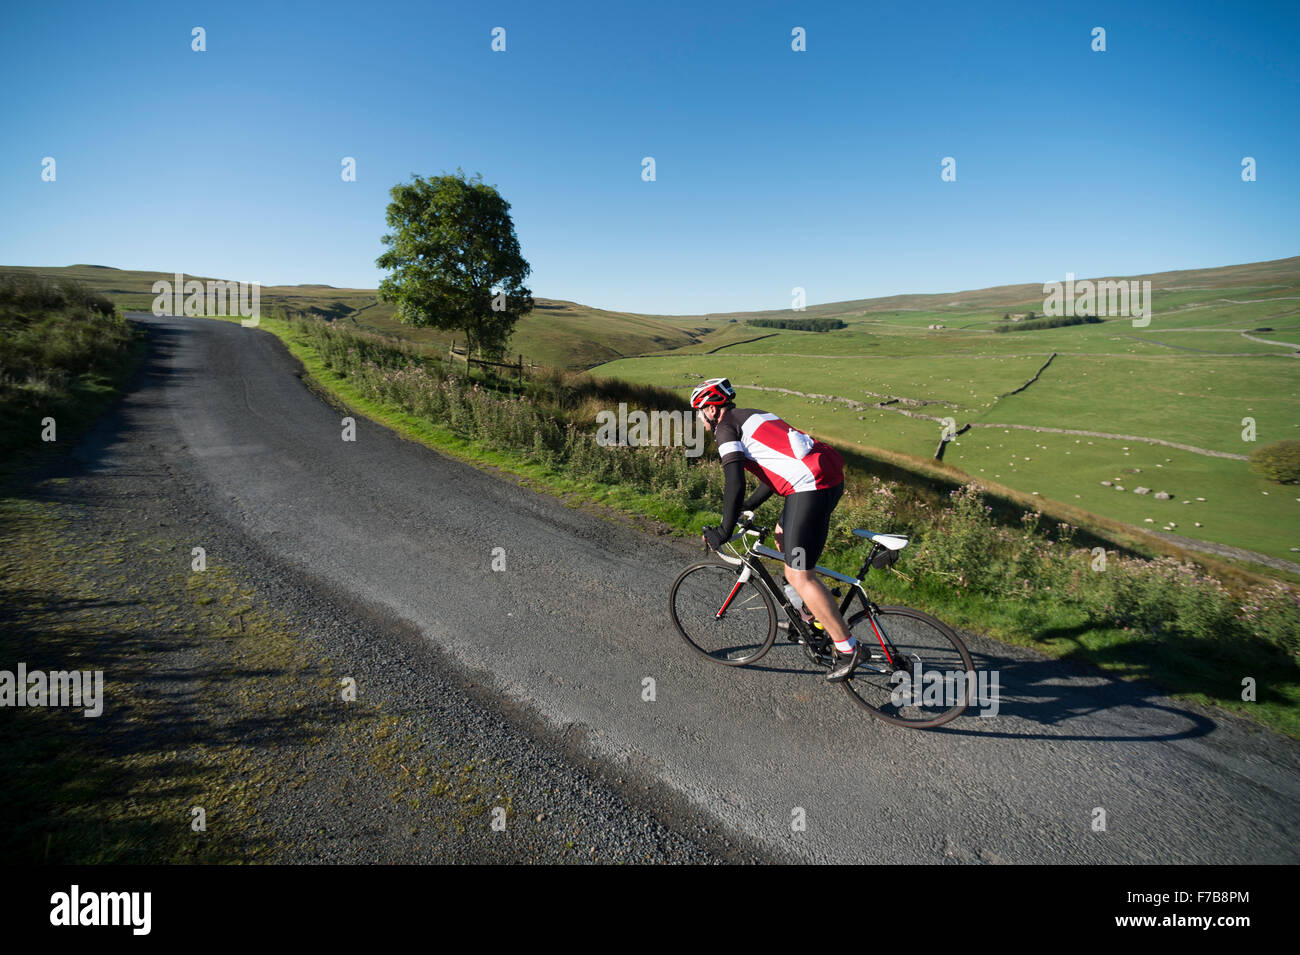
[(782, 457)]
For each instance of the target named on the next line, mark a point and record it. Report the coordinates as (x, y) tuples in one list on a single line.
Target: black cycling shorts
[(805, 522)]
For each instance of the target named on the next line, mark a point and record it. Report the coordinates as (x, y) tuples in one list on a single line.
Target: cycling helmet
[(715, 391)]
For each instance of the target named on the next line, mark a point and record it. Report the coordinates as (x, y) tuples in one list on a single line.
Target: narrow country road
[(577, 620)]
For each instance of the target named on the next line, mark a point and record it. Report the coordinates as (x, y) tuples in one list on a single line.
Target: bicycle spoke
[(929, 681), (728, 621)]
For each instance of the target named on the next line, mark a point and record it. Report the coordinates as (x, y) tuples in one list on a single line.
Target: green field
[(1190, 377)]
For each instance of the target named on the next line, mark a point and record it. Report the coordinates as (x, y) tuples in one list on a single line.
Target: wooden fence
[(516, 366)]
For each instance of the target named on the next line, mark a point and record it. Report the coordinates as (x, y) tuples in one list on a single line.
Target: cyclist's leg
[(807, 518)]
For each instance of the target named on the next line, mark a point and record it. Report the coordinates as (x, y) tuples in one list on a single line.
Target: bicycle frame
[(748, 557)]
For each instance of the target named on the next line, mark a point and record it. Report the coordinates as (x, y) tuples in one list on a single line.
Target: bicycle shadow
[(1048, 693)]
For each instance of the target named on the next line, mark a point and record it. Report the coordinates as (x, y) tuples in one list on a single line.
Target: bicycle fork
[(741, 580)]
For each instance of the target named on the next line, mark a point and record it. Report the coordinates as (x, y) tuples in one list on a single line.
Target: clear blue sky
[(775, 169)]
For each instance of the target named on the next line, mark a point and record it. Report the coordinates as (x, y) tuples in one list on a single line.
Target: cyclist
[(807, 473)]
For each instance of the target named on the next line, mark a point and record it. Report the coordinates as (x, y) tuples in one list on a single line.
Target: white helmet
[(715, 391)]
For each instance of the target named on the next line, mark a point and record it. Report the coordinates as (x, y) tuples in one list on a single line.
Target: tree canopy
[(455, 259)]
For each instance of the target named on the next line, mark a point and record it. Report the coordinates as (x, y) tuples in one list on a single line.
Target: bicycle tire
[(921, 640), (738, 637)]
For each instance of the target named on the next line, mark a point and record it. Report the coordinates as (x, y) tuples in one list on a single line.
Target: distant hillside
[(559, 333), (575, 336), (1275, 272)]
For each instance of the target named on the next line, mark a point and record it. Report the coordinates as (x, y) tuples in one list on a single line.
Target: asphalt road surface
[(571, 628)]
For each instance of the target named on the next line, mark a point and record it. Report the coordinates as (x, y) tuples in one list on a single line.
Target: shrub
[(959, 549), (1273, 614), (1278, 462), (59, 345)]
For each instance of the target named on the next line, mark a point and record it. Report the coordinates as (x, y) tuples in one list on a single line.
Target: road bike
[(915, 670)]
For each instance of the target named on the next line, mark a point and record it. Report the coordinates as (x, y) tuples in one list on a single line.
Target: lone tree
[(456, 260)]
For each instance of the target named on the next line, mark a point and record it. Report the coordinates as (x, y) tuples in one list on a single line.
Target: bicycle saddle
[(891, 541)]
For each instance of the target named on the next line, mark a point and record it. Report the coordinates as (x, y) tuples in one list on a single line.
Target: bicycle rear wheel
[(936, 677), (732, 631)]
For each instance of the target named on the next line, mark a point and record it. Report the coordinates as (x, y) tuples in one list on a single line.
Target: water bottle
[(795, 599), (793, 596)]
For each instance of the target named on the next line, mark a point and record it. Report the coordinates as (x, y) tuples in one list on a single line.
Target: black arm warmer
[(761, 494), (732, 492)]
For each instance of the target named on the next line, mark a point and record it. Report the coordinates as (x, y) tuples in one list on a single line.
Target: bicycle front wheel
[(930, 679), (721, 618)]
